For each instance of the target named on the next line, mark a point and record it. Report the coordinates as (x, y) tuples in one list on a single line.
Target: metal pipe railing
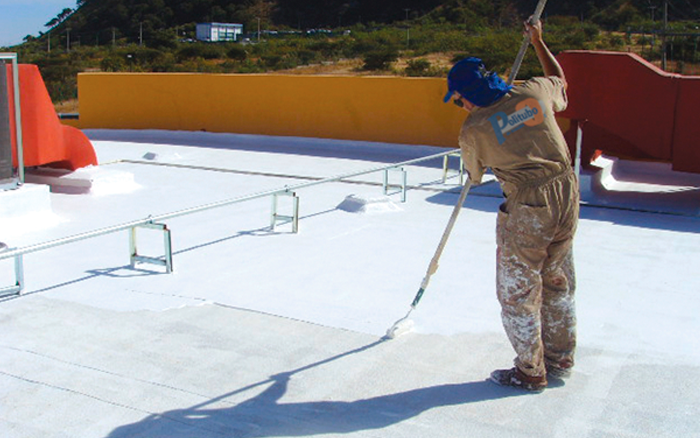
[(295, 187), (160, 218)]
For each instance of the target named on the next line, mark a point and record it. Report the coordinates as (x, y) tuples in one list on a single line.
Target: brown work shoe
[(559, 370), (517, 379), (556, 372)]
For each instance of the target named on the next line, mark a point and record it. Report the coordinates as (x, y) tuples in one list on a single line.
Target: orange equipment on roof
[(46, 141)]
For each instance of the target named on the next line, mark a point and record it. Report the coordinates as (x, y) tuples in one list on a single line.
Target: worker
[(513, 131)]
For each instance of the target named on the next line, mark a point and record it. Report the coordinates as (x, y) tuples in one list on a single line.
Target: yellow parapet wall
[(384, 109)]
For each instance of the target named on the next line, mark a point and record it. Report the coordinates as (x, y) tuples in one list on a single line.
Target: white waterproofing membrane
[(261, 333)]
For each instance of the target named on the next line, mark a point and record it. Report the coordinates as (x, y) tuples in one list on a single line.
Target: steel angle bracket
[(276, 218), (166, 260), (446, 167), (402, 185), (19, 276)]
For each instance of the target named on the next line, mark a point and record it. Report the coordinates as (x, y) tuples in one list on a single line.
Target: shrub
[(440, 41), (196, 50), (616, 40), (112, 63), (249, 66), (145, 56), (163, 39), (237, 53), (380, 59), (165, 63), (272, 61), (59, 75), (324, 48), (617, 16), (418, 67), (306, 56)]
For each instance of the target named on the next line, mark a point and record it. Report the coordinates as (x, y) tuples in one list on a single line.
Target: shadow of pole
[(264, 415)]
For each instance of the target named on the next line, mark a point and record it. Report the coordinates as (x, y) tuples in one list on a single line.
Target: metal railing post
[(135, 257), (276, 218), (404, 178), (446, 167), (17, 288)]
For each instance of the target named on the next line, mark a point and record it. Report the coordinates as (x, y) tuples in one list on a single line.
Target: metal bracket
[(166, 260), (445, 167), (276, 218), (19, 277), (386, 185)]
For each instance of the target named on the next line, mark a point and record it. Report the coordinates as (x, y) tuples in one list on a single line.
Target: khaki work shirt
[(518, 136)]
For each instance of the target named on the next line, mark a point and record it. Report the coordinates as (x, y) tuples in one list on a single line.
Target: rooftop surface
[(269, 333)]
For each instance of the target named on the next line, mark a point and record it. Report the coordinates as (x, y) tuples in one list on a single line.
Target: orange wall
[(387, 109)]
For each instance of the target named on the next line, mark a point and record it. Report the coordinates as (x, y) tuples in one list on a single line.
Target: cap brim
[(448, 96)]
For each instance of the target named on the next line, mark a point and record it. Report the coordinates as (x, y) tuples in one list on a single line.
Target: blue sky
[(19, 18)]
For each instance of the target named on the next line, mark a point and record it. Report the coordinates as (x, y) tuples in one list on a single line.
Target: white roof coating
[(268, 333)]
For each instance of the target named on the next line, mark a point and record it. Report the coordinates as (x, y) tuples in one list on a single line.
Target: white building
[(216, 32)]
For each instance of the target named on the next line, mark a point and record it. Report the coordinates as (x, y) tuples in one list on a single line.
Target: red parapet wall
[(632, 108), (686, 135), (46, 142)]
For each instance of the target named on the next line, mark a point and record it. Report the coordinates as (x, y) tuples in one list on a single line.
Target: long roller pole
[(405, 324)]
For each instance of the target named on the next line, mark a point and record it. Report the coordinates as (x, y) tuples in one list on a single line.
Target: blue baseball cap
[(472, 81)]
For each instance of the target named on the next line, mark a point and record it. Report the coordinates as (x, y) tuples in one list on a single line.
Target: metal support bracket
[(276, 218), (19, 278), (445, 167), (166, 260), (386, 184)]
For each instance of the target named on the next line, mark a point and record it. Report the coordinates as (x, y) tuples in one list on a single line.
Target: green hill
[(159, 35), (101, 22)]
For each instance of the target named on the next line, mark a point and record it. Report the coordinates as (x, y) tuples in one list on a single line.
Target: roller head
[(404, 325)]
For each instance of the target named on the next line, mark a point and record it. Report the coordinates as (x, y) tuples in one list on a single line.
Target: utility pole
[(408, 30), (663, 40), (258, 29), (67, 40), (141, 33), (114, 37), (49, 34), (653, 23)]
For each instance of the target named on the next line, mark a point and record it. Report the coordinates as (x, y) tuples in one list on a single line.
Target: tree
[(52, 23), (65, 13), (380, 59), (60, 18)]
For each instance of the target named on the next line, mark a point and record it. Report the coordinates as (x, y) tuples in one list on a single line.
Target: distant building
[(216, 32)]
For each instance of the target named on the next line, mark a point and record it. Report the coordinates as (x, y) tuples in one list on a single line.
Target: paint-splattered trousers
[(535, 272)]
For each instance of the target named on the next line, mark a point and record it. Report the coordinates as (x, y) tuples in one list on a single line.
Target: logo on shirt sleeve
[(529, 112)]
